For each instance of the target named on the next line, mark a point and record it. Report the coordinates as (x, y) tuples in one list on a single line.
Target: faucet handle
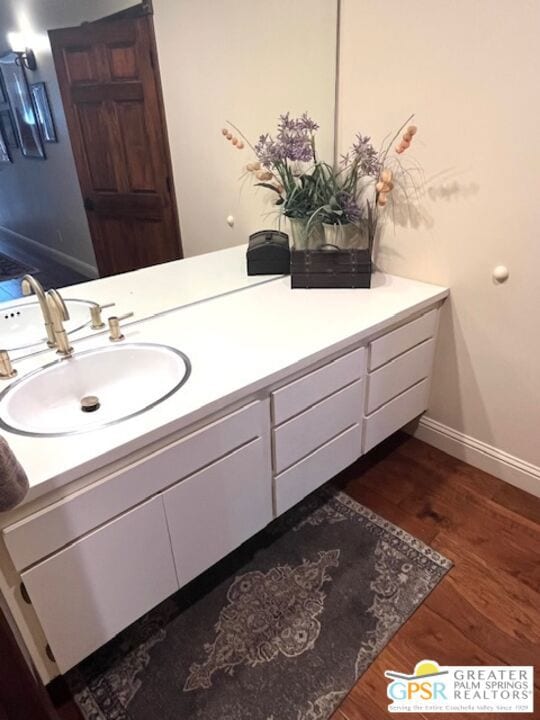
[(114, 326), (6, 368), (95, 314)]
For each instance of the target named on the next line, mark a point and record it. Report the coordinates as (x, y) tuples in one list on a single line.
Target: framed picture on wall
[(22, 107), (7, 128), (5, 157), (43, 112)]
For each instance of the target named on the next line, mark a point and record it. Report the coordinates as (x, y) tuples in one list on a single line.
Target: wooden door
[(109, 80)]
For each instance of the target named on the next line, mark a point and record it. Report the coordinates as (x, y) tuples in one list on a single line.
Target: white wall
[(469, 69), (245, 61), (39, 199)]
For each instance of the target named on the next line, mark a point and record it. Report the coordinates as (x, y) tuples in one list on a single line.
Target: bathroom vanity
[(287, 388)]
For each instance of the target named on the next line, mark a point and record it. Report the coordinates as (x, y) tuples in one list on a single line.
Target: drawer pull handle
[(25, 595), (49, 653)]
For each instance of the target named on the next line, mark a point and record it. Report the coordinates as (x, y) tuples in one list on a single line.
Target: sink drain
[(90, 403)]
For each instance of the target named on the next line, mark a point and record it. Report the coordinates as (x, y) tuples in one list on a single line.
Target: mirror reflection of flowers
[(327, 205), (287, 164)]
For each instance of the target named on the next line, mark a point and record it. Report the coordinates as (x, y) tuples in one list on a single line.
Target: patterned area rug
[(279, 630), (10, 268)]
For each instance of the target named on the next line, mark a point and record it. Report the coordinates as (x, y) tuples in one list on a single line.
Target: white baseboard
[(479, 454), (33, 247)]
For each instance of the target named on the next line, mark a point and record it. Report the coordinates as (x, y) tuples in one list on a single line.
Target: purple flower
[(286, 123), (269, 151), (349, 205), (364, 155), (303, 124), (307, 124), (294, 141), (298, 149)]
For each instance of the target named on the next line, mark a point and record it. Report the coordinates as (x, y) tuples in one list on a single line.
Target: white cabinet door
[(48, 530), (217, 509), (85, 594)]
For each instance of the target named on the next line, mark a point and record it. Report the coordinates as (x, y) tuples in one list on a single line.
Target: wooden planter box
[(331, 268)]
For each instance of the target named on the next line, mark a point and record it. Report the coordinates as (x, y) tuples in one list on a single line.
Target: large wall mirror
[(133, 145)]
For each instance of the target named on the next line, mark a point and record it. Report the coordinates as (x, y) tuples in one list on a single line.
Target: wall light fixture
[(25, 54)]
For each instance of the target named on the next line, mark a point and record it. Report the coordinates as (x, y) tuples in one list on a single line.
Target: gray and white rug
[(279, 630)]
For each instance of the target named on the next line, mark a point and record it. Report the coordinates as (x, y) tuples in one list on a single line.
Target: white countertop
[(159, 288), (237, 344)]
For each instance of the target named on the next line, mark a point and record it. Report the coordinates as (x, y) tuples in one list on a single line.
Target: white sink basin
[(127, 379), (22, 325)]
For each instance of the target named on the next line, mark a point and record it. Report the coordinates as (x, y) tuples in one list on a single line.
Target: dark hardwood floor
[(486, 611)]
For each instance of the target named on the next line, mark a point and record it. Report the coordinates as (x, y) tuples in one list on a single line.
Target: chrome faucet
[(59, 313), (29, 284)]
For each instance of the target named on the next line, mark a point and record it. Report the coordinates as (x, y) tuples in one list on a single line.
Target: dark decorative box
[(331, 268), (268, 253)]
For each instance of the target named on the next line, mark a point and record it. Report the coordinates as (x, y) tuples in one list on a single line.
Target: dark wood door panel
[(101, 32), (112, 97), (132, 124), (129, 245), (122, 61), (81, 64), (141, 206), (106, 91), (95, 129)]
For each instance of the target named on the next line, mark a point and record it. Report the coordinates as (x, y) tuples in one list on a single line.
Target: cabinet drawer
[(319, 467), (217, 509), (310, 389), (399, 374), (58, 524), (85, 594), (398, 341), (306, 432), (395, 414)]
